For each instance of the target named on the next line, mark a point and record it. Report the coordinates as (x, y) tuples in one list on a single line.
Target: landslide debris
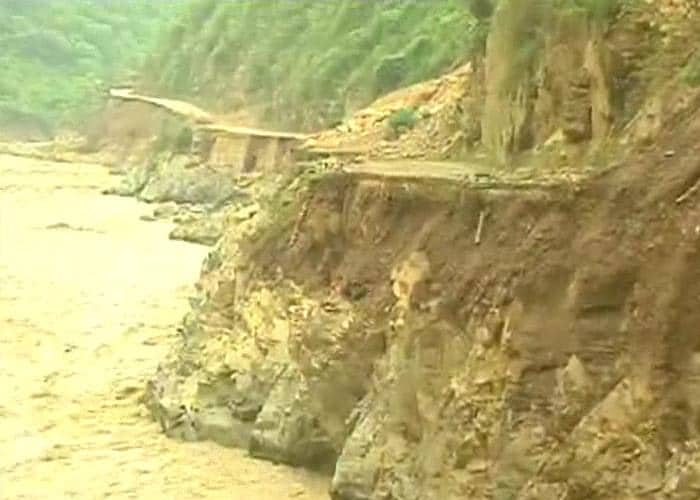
[(437, 119), (426, 337)]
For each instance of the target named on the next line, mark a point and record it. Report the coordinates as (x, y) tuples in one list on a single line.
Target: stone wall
[(227, 152), (247, 154)]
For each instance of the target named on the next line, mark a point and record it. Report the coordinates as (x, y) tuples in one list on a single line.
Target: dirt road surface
[(90, 297)]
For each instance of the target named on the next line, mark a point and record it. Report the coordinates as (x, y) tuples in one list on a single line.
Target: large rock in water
[(286, 430), (231, 380), (205, 228), (134, 180), (174, 178)]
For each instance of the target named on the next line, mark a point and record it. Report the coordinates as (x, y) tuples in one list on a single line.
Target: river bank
[(90, 300)]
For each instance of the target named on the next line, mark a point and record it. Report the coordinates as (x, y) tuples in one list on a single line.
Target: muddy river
[(90, 297)]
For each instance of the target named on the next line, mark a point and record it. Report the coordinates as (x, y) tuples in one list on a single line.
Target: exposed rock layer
[(423, 340), (557, 357)]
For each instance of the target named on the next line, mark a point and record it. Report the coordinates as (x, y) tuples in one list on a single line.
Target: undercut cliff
[(425, 330)]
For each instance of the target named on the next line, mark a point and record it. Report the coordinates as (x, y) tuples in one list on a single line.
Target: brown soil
[(444, 108), (606, 269)]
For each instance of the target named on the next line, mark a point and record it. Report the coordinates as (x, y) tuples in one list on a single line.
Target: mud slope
[(558, 357), (423, 338)]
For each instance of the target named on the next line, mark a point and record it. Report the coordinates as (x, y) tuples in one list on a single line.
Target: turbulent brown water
[(90, 297)]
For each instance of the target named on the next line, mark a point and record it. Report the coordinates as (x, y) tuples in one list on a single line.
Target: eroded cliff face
[(419, 339), (575, 73), (362, 323)]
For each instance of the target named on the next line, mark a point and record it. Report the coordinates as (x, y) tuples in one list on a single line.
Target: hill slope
[(57, 54), (305, 64)]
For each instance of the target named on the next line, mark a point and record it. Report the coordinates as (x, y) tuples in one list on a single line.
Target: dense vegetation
[(57, 55), (302, 64), (306, 62)]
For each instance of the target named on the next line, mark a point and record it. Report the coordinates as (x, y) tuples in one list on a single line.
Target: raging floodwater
[(90, 297)]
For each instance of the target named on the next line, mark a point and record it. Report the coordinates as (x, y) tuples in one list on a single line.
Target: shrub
[(402, 120), (481, 9)]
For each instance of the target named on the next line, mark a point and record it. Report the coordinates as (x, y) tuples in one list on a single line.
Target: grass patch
[(598, 10), (691, 71)]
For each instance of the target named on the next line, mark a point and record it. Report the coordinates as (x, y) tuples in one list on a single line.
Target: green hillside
[(57, 55), (306, 62)]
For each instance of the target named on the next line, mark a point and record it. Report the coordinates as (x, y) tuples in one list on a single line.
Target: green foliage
[(691, 71), (402, 120), (481, 9), (174, 136), (306, 63), (598, 10), (57, 56)]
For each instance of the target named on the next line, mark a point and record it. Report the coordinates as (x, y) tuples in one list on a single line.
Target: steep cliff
[(575, 73), (557, 357), (421, 338)]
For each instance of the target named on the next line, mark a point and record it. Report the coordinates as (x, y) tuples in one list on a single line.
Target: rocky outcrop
[(196, 197), (205, 228), (574, 73), (420, 339), (361, 329), (179, 179), (547, 70)]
